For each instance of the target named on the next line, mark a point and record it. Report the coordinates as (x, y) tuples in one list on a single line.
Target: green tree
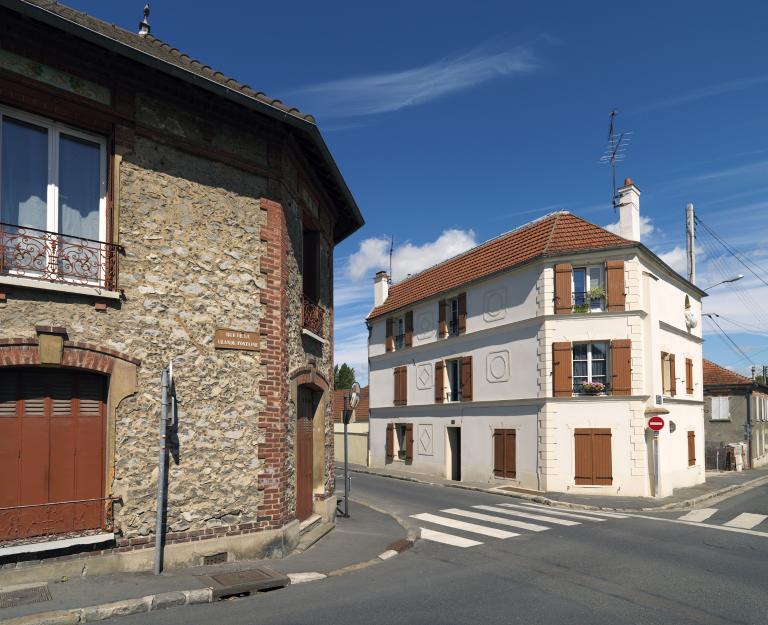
[(344, 376)]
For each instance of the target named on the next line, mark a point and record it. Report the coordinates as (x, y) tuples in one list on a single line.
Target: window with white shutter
[(721, 409)]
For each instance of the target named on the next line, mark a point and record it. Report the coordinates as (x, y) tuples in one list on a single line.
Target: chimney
[(629, 211), (144, 28), (380, 288)]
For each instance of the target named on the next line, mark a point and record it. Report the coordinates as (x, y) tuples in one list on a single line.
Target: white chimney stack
[(629, 211), (380, 288)]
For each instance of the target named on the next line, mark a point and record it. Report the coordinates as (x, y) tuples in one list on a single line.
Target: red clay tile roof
[(550, 235), (361, 412), (714, 374)]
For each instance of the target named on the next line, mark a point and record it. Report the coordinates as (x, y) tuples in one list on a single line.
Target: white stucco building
[(479, 366)]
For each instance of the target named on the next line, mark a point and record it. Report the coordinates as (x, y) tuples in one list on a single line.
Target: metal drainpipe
[(749, 426)]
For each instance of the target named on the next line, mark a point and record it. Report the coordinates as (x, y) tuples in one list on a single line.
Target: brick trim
[(20, 352), (310, 375), (275, 509)]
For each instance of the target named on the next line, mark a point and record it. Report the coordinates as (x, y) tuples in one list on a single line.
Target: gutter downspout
[(748, 432)]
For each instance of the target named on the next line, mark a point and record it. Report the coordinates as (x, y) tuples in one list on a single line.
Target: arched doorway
[(307, 398), (52, 451)]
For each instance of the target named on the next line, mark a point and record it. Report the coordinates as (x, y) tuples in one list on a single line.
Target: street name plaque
[(236, 339)]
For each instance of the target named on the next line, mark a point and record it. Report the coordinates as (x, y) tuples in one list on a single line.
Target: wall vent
[(215, 558)]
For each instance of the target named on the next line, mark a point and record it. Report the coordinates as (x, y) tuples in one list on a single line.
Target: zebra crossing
[(744, 520), (499, 521)]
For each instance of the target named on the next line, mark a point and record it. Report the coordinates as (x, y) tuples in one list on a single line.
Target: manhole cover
[(251, 580), (24, 596)]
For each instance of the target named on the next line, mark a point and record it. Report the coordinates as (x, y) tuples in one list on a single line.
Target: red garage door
[(52, 452)]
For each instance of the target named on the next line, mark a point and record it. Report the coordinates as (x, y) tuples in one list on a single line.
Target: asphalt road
[(589, 570)]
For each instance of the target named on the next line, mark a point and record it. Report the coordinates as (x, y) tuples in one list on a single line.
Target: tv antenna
[(391, 250), (616, 152)]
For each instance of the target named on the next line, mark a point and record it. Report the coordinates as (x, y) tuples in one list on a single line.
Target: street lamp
[(351, 400), (734, 279)]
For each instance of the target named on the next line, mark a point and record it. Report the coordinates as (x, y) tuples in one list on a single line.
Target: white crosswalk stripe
[(543, 508), (486, 519), (464, 526), (532, 527), (448, 539), (527, 515), (697, 516), (557, 512), (746, 520)]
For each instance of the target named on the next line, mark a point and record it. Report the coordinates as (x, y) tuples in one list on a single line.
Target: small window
[(588, 289), (398, 326), (401, 437), (454, 379), (452, 306), (721, 409), (667, 374), (311, 265), (590, 365)]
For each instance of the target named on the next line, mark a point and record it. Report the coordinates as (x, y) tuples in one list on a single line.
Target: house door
[(304, 464), (454, 454), (593, 460), (52, 452)]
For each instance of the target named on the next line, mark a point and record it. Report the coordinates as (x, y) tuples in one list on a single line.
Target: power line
[(725, 334), (731, 251), (750, 329)]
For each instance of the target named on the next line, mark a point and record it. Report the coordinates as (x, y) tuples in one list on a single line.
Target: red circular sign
[(656, 423)]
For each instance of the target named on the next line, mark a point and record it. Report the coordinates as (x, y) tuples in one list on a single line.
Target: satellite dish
[(690, 320), (354, 396)]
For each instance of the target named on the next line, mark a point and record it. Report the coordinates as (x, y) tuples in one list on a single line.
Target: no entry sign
[(656, 423)]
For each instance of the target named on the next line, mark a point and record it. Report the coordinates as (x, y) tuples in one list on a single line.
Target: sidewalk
[(355, 542), (716, 485)]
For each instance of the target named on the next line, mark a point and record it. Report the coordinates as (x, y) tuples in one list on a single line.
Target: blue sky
[(453, 123)]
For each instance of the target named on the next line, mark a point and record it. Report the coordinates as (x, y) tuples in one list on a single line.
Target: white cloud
[(646, 227), (382, 93), (677, 258), (373, 254)]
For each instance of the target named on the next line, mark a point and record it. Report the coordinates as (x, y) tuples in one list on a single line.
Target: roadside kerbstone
[(165, 600), (117, 608), (201, 595), (58, 617)]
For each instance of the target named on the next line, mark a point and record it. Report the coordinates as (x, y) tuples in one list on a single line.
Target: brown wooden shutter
[(621, 366), (614, 272), (691, 448), (562, 369), (498, 453), (409, 442), (466, 378), (439, 394), (689, 376), (601, 456), (462, 313), (443, 326), (672, 380), (594, 463), (583, 452), (403, 386), (409, 328), (390, 441), (563, 294), (390, 338)]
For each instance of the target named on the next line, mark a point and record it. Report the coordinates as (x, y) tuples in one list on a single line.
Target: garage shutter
[(52, 450)]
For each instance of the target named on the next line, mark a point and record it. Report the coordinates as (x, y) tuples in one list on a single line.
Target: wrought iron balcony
[(312, 316), (53, 257)]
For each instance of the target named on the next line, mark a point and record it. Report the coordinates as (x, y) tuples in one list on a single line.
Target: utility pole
[(690, 243)]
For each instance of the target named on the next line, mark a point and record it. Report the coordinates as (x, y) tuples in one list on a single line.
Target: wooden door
[(304, 453), (52, 452), (594, 461), (504, 453)]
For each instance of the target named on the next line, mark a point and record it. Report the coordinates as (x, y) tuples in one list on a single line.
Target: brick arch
[(25, 352), (310, 376)]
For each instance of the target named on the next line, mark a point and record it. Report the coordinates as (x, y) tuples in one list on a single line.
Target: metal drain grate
[(24, 596)]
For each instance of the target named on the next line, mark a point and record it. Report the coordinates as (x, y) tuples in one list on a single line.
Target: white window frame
[(720, 405), (589, 361), (591, 307), (55, 130)]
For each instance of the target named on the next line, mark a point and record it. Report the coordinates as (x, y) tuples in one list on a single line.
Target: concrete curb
[(734, 489), (125, 607)]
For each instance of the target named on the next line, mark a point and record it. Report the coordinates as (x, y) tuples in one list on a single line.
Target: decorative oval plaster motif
[(497, 366), (424, 376), (495, 305)]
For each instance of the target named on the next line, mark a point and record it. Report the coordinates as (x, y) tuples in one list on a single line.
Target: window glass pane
[(580, 351), (579, 281), (595, 277), (579, 368), (79, 187), (598, 369), (598, 351), (24, 174)]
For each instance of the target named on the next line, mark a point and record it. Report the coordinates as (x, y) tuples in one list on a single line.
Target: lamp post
[(351, 400), (734, 279)]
